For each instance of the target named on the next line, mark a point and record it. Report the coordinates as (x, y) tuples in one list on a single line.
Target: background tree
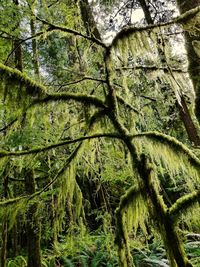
[(192, 44)]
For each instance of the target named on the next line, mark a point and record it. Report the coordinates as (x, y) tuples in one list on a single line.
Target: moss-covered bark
[(168, 231), (193, 57), (33, 228)]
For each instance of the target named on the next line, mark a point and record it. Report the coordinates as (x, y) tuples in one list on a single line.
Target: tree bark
[(17, 46), (33, 228), (4, 229), (172, 242), (193, 58), (35, 59), (88, 19)]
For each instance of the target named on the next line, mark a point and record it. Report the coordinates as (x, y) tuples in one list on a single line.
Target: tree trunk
[(88, 19), (4, 229), (172, 242), (33, 228), (4, 239), (173, 245), (193, 57), (17, 46), (35, 50), (184, 112), (188, 122)]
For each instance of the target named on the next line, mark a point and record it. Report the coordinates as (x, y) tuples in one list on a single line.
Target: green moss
[(83, 98), (183, 204), (172, 144), (16, 75)]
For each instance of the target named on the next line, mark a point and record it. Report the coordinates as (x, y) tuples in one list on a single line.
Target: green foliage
[(80, 248), (193, 251), (19, 261)]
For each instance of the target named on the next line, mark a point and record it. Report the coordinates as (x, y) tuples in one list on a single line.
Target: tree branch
[(183, 203), (85, 99), (126, 104), (152, 68), (54, 27), (182, 19), (173, 143), (24, 79), (40, 92), (5, 153), (83, 79), (8, 125)]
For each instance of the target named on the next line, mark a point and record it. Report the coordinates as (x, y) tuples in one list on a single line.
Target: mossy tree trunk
[(193, 57), (167, 229), (4, 239), (125, 258), (33, 227), (4, 229)]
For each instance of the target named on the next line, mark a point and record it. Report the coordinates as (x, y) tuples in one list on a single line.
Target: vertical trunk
[(35, 49), (15, 239), (4, 239), (124, 255), (88, 19), (18, 55), (193, 57), (182, 107), (188, 122), (33, 229), (172, 242), (17, 46), (4, 229)]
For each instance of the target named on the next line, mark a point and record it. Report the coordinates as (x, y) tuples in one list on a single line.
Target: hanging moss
[(39, 92), (32, 87), (185, 18), (183, 204), (172, 242), (131, 213), (173, 144)]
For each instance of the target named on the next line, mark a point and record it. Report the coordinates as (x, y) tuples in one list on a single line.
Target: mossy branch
[(128, 197), (39, 91), (82, 98), (8, 125), (15, 74), (85, 78), (127, 31), (126, 104), (183, 203), (72, 156), (173, 143), (12, 201), (4, 153), (151, 68)]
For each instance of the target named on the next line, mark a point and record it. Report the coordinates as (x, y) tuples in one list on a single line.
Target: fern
[(19, 261)]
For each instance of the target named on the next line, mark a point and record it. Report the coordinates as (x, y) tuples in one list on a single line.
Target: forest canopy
[(99, 125)]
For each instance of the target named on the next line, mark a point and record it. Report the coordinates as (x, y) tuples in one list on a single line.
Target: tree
[(191, 43), (87, 98)]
